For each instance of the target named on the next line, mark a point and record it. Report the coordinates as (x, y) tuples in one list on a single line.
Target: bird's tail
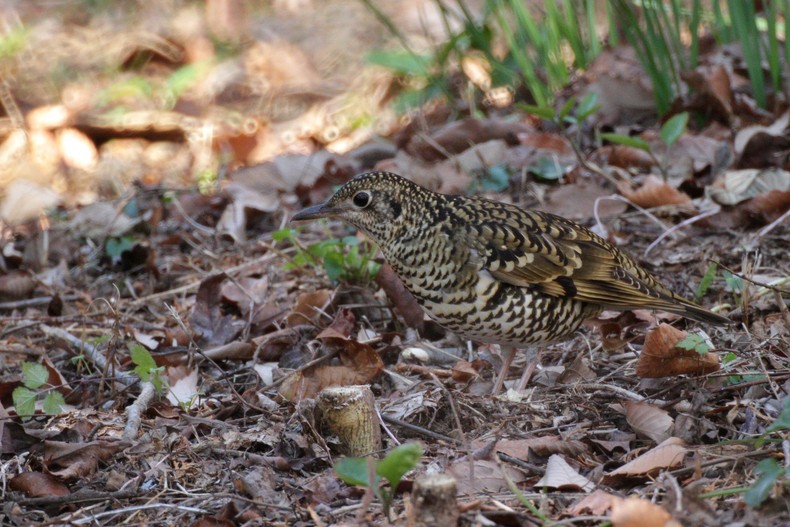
[(692, 310)]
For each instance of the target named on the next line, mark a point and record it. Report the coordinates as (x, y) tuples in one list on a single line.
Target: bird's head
[(380, 203)]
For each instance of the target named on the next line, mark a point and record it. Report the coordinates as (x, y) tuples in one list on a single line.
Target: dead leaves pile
[(245, 338)]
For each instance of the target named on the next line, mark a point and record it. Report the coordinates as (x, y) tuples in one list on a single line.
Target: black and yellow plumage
[(494, 272)]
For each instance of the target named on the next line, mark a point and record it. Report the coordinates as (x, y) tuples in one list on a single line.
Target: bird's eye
[(361, 199)]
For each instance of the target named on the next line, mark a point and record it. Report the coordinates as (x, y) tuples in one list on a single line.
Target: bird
[(493, 272)]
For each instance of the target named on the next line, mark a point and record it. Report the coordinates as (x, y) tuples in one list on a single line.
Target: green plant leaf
[(735, 283), (566, 108), (115, 247), (674, 128), (398, 462), (53, 403), (24, 401), (769, 471), (34, 375), (728, 357), (334, 265), (783, 421), (544, 112), (547, 168), (353, 471), (145, 365), (403, 62), (184, 78), (627, 140), (694, 342), (706, 282), (286, 233), (587, 106)]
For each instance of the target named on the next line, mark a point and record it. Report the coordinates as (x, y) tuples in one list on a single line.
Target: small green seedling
[(769, 470), (115, 247), (566, 114), (146, 368), (34, 376), (734, 284), (669, 133), (343, 259), (696, 342), (706, 282), (354, 471)]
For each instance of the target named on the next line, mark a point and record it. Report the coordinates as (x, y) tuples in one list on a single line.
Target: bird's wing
[(557, 257)]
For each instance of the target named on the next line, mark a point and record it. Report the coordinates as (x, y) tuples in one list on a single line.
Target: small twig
[(32, 302), (589, 165), (90, 351), (136, 508), (198, 349), (755, 282), (618, 197), (616, 389), (782, 307), (387, 428), (134, 411), (690, 470), (768, 228), (81, 496), (681, 225), (194, 285), (302, 368), (420, 430), (189, 220)]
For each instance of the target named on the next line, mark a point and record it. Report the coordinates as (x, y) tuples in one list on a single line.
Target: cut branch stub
[(433, 498), (349, 412)]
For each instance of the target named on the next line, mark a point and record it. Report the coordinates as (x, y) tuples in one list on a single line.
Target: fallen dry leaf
[(35, 484), (746, 136), (770, 205), (540, 446), (485, 476), (246, 293), (48, 117), (25, 200), (182, 385), (15, 285), (713, 87), (595, 503), (78, 460), (668, 454), (661, 358), (360, 365), (308, 307), (739, 185), (76, 149), (654, 193), (648, 420), (577, 201), (636, 512), (208, 319), (624, 157), (561, 476), (458, 136), (243, 203)]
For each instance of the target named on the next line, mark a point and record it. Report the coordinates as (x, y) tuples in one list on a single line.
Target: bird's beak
[(321, 210)]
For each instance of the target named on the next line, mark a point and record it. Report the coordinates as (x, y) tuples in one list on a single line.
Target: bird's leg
[(508, 352), (533, 359)]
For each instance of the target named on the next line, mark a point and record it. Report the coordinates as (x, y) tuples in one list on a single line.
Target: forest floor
[(165, 332)]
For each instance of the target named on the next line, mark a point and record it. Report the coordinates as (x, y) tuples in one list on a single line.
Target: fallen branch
[(134, 412), (90, 351)]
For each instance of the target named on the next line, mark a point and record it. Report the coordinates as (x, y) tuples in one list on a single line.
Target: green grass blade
[(743, 21)]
